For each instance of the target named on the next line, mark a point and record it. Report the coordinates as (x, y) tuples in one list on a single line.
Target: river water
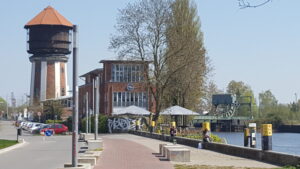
[(282, 142)]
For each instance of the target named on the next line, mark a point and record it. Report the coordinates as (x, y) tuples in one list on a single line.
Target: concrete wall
[(250, 153)]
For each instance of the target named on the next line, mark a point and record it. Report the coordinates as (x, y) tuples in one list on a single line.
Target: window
[(127, 73), (115, 99), (125, 99)]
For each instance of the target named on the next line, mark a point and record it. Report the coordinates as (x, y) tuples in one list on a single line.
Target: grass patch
[(98, 149), (177, 166), (7, 143)]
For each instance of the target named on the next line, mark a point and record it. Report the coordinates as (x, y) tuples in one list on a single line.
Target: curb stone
[(18, 145)]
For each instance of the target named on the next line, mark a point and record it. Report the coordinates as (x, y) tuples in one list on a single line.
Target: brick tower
[(49, 42)]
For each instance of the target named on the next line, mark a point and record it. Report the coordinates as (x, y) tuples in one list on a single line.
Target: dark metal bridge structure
[(223, 115)]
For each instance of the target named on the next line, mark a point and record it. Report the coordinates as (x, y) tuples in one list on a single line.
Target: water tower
[(49, 42)]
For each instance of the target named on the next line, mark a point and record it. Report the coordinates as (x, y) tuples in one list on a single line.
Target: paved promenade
[(135, 152), (126, 154)]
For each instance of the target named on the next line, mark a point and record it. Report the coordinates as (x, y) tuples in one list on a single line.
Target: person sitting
[(206, 136)]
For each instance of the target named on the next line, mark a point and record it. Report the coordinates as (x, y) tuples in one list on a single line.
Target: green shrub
[(214, 138), (68, 123), (54, 121), (102, 124)]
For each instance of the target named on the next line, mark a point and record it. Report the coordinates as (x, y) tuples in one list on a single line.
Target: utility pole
[(87, 113), (75, 100), (97, 107), (94, 112)]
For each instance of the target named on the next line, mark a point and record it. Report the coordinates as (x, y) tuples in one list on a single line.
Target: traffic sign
[(48, 132)]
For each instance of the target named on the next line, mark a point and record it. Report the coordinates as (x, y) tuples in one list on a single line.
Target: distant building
[(49, 43), (122, 84)]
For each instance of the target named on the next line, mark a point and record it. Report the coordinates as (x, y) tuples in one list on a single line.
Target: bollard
[(173, 124), (266, 140), (137, 125), (152, 126), (246, 137), (252, 128), (19, 133), (206, 125)]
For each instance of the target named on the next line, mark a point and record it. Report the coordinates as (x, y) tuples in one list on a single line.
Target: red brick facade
[(110, 89)]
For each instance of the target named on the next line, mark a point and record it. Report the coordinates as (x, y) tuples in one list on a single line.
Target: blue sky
[(257, 46)]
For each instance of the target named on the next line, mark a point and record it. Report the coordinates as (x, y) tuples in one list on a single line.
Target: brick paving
[(131, 151), (126, 154)]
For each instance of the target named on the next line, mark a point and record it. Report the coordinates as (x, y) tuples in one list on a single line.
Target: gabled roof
[(49, 16), (94, 72), (124, 61)]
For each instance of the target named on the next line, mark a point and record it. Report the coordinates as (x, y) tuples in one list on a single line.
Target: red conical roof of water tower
[(49, 16)]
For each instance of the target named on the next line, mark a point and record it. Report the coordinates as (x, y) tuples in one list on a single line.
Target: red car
[(57, 128)]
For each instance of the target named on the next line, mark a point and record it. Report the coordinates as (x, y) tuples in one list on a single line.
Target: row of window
[(125, 99), (127, 73)]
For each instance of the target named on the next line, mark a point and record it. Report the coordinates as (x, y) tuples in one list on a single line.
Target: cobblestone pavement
[(135, 152)]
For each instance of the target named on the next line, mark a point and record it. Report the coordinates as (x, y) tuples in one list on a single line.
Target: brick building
[(122, 84)]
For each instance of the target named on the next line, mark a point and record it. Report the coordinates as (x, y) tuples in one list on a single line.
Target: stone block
[(98, 153), (161, 147), (169, 146), (178, 155), (94, 144), (87, 136), (88, 160), (90, 155)]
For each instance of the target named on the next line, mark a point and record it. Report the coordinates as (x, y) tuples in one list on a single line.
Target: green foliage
[(186, 67), (244, 96), (292, 167), (2, 104), (7, 143), (68, 123), (52, 110), (214, 138), (102, 124), (54, 122), (98, 149)]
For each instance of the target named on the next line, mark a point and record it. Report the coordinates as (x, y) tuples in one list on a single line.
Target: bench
[(178, 154), (165, 147)]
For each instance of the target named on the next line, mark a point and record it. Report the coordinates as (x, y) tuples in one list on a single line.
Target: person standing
[(172, 133)]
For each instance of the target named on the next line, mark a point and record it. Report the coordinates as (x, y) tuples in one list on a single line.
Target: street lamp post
[(75, 100)]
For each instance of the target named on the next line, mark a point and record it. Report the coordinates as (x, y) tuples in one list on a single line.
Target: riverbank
[(281, 142), (288, 129)]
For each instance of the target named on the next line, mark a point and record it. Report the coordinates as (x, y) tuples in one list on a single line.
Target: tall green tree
[(188, 64), (141, 34), (244, 96), (3, 105), (267, 102)]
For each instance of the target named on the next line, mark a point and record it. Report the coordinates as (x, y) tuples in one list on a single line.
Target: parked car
[(27, 125), (38, 130), (34, 126), (57, 128)]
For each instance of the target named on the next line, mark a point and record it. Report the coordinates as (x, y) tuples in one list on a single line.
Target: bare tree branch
[(246, 4)]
